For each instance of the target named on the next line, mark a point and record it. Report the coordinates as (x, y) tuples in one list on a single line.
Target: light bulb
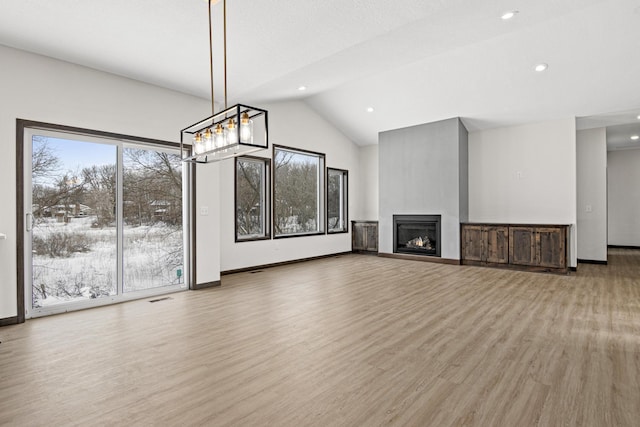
[(197, 143), (541, 67), (232, 132), (208, 140), (246, 129), (219, 136)]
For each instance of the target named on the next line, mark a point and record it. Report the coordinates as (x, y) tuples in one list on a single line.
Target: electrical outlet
[(204, 210)]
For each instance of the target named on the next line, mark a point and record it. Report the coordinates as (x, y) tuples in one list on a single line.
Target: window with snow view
[(336, 200), (298, 196), (252, 198)]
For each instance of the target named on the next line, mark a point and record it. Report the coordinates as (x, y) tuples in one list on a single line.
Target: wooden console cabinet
[(524, 246), (364, 236), (485, 243)]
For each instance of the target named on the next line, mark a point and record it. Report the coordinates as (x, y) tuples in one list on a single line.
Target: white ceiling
[(413, 61)]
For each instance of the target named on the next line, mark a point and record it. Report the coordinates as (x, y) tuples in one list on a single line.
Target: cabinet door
[(371, 237), (522, 245), (358, 237), (550, 247), (472, 237), (496, 239), (364, 236)]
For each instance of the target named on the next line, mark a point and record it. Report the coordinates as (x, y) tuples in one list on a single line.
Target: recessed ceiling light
[(541, 67), (635, 137), (369, 109), (508, 15), (302, 88)]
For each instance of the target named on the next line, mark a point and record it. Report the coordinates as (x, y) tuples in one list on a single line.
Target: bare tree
[(99, 191), (152, 187), (249, 192), (296, 193), (44, 163), (334, 187), (45, 171)]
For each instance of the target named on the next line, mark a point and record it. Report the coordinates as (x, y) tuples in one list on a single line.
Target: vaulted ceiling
[(412, 61)]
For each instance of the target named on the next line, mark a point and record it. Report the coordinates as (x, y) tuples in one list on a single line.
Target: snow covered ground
[(74, 261)]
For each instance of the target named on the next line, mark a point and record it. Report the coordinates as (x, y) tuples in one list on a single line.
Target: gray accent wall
[(463, 170), (423, 170)]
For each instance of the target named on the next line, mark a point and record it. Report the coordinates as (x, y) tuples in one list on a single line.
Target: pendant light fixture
[(232, 132)]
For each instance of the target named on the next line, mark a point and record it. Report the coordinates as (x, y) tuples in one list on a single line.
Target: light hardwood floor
[(353, 340)]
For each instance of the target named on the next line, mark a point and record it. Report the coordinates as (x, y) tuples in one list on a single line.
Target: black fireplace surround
[(416, 234)]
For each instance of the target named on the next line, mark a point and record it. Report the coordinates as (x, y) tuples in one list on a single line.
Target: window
[(298, 192), (337, 200), (252, 201)]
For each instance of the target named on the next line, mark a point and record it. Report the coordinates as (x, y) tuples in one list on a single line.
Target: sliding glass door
[(104, 221)]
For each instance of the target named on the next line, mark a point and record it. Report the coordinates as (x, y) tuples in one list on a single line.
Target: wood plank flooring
[(353, 340)]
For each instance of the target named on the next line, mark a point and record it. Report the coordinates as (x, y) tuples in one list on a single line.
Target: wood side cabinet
[(364, 236), (496, 238), (485, 243), (526, 246), (551, 247), (522, 245)]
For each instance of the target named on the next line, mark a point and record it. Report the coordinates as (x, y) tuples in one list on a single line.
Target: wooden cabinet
[(471, 242), (526, 246), (364, 236), (551, 247), (496, 239), (485, 243), (522, 245)]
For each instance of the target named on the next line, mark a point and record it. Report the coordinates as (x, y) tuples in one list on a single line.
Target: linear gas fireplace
[(416, 234)]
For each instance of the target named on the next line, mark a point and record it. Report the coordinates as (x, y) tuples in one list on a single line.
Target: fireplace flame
[(420, 242)]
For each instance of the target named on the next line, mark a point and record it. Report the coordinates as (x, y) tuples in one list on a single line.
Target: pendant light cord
[(224, 16), (213, 105)]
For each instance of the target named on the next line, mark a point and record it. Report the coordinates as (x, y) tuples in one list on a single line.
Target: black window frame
[(321, 222), (345, 193), (267, 189)]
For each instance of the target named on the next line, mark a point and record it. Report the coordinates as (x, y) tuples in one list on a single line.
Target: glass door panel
[(74, 228), (104, 221), (152, 219)]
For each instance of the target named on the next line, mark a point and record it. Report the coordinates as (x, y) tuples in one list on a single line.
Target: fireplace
[(416, 234)]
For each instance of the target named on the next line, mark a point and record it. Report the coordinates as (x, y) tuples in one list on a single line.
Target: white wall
[(591, 154), (207, 226), (624, 197), (525, 174), (292, 124), (368, 195), (38, 88)]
